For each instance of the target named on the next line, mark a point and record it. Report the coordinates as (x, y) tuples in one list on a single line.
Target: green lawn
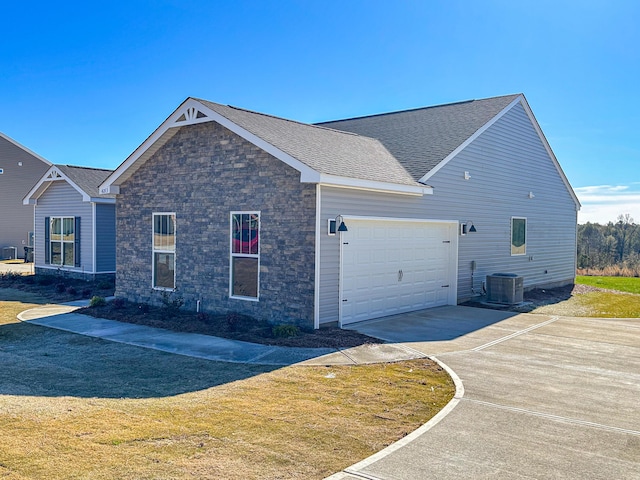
[(622, 284)]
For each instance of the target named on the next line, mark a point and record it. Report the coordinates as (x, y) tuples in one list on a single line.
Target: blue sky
[(84, 83)]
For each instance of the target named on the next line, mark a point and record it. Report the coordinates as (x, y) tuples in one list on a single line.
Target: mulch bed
[(233, 326)]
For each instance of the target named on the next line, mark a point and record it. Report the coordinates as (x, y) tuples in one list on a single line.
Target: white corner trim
[(464, 144), (316, 287)]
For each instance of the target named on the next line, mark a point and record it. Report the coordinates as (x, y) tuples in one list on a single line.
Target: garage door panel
[(394, 267)]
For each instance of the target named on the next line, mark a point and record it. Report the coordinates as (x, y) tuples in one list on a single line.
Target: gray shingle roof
[(325, 150), (88, 179), (421, 138)]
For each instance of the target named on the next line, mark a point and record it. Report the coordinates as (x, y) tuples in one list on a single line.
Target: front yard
[(80, 407)]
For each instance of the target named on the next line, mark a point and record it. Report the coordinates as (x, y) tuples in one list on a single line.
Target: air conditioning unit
[(9, 253), (505, 288)]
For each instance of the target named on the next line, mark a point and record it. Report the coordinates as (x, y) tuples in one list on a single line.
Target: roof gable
[(421, 138), (83, 179), (25, 149), (426, 139), (321, 155)]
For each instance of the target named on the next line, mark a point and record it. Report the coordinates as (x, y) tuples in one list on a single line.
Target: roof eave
[(370, 185)]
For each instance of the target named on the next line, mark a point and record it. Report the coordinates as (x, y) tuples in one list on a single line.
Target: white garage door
[(391, 267)]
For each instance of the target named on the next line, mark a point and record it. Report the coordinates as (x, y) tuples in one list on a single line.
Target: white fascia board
[(102, 200), (371, 185), (547, 147), (211, 116), (464, 144), (22, 147), (38, 189)]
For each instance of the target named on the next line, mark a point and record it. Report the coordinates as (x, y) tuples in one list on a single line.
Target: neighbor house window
[(61, 238), (164, 250), (245, 254), (518, 236)]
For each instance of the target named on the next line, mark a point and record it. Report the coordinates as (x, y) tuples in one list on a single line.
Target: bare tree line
[(611, 249)]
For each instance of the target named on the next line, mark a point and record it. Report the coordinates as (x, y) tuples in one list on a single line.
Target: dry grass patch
[(12, 302), (602, 304), (80, 407), (296, 422)]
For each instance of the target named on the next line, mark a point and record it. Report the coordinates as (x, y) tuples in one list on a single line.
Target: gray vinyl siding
[(62, 200), (105, 238), (16, 219), (505, 163)]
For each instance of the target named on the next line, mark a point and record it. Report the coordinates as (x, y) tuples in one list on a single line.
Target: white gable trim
[(520, 99), (192, 112), (464, 144), (54, 174), (547, 147)]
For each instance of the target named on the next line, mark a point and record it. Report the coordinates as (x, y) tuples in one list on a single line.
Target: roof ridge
[(83, 167), (428, 107), (280, 118), (294, 121)]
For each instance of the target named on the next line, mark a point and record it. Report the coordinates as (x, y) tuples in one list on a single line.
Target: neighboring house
[(20, 168), (74, 225), (237, 211)]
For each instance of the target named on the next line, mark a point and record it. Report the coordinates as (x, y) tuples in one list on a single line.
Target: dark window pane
[(67, 229), (164, 268), (245, 277), (518, 236), (67, 249), (56, 253)]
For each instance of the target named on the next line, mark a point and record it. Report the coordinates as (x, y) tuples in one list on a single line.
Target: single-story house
[(74, 225), (238, 211), (20, 168)]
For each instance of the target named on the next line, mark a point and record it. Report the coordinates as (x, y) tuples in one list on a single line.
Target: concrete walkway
[(543, 397), (61, 317)]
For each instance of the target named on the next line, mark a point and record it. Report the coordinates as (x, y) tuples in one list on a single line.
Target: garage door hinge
[(345, 300), (345, 243), (446, 241)]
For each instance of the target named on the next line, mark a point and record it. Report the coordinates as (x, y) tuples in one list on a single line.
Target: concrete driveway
[(544, 397)]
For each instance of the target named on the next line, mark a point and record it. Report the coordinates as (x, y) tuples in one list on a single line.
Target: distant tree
[(613, 244)]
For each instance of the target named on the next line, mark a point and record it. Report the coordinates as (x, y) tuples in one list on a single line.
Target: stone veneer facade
[(202, 174)]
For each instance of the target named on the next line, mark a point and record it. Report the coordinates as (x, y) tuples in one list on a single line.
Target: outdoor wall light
[(341, 226), (465, 228)]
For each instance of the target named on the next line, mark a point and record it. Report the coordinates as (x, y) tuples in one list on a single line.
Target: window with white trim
[(518, 236), (164, 251), (62, 241), (245, 255)]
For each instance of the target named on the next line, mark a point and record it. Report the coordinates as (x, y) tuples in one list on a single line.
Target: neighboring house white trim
[(54, 174)]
